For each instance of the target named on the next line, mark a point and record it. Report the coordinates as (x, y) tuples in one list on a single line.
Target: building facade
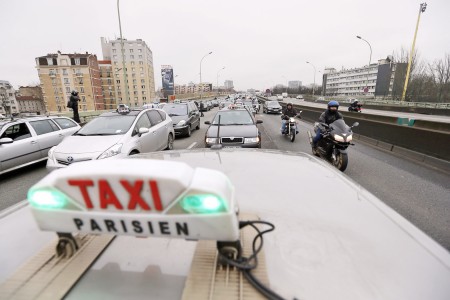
[(229, 84), (193, 88), (60, 74), (378, 79), (30, 104), (8, 103), (295, 84), (108, 86), (135, 64)]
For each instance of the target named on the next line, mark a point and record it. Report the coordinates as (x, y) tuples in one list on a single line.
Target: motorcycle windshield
[(339, 126)]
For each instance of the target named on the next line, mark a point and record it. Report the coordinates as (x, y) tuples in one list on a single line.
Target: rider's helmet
[(74, 93), (355, 102), (333, 103)]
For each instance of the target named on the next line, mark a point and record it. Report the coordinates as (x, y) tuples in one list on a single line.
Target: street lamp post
[(174, 84), (123, 58), (314, 86), (201, 86), (423, 7), (217, 82), (370, 60)]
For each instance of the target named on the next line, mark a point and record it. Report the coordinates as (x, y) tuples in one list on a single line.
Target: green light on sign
[(47, 198), (203, 204)]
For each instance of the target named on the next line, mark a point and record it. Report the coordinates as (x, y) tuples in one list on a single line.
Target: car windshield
[(107, 125), (233, 117), (273, 104), (175, 109)]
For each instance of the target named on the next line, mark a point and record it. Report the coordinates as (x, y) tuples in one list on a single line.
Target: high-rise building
[(295, 84), (383, 78), (108, 86), (8, 104), (136, 63), (60, 74), (229, 84)]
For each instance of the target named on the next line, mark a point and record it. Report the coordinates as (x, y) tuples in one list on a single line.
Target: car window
[(162, 114), (154, 116), (175, 109), (17, 132), (43, 126), (108, 125), (143, 122), (236, 117), (65, 123)]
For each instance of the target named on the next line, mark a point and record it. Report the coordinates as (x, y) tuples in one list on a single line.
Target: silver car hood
[(86, 144)]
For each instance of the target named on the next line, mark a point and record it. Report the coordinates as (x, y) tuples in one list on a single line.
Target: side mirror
[(259, 121), (207, 122), (6, 141), (143, 130), (355, 124)]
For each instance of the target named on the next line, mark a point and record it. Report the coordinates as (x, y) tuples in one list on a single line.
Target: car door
[(158, 128), (146, 142), (194, 115), (24, 148), (48, 134)]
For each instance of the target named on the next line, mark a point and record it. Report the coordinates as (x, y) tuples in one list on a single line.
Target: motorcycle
[(291, 126), (335, 140), (355, 108)]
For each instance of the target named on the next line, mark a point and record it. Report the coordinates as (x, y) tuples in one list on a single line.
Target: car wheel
[(189, 132), (134, 152), (198, 126), (169, 142)]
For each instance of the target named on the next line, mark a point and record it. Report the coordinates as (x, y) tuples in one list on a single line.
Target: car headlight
[(338, 138), (50, 152), (251, 140), (181, 123), (114, 150), (211, 140)]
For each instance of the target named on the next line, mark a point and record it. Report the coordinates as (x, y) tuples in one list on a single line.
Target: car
[(209, 105), (237, 128), (225, 104), (280, 98), (185, 117), (215, 103), (272, 107), (300, 97), (27, 140), (115, 135)]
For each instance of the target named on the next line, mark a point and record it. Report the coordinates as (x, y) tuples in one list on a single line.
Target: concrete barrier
[(383, 131)]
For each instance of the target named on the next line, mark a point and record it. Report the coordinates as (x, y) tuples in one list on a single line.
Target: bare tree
[(440, 73)]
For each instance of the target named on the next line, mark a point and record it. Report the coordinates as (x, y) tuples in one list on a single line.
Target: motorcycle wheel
[(341, 161), (292, 136)]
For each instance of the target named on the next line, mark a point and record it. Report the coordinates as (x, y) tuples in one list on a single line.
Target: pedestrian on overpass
[(74, 99)]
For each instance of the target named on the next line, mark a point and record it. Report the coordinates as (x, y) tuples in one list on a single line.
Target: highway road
[(418, 192), (344, 106)]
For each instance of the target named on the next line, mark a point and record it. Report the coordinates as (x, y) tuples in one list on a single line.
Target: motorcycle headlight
[(114, 150), (211, 140), (350, 138), (50, 152), (181, 123), (338, 138), (292, 120), (251, 140)]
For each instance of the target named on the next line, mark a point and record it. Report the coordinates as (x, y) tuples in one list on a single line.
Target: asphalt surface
[(418, 192)]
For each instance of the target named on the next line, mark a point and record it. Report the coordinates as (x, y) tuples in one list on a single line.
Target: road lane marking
[(192, 145)]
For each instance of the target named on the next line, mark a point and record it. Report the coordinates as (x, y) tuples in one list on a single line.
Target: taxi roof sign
[(139, 197)]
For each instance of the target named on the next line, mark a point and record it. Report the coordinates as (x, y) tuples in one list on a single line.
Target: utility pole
[(370, 61), (125, 75), (314, 86), (423, 7), (201, 86)]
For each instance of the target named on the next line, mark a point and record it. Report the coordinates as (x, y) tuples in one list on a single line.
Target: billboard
[(167, 80)]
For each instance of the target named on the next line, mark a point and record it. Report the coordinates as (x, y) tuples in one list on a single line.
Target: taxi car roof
[(133, 112)]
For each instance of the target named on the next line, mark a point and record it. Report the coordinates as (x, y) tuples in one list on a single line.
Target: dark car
[(237, 128), (215, 103), (185, 117), (225, 104), (272, 107)]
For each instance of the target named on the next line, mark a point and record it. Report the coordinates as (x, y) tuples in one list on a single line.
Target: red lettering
[(107, 196), (135, 194), (83, 185), (155, 194)]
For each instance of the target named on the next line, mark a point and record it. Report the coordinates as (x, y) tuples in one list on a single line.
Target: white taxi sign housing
[(138, 197)]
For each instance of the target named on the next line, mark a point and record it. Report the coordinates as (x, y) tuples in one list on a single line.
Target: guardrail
[(424, 138)]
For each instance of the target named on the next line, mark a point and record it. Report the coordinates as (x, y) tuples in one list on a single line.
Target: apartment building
[(193, 88), (8, 104), (108, 86), (378, 79), (132, 70), (60, 74)]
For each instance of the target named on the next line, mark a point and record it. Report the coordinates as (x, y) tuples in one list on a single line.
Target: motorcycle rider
[(355, 104), (288, 112), (327, 117)]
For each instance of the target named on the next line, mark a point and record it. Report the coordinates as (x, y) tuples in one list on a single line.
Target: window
[(142, 74), (66, 81), (17, 132), (65, 72), (65, 123), (81, 80), (82, 90), (143, 122), (44, 126), (134, 81), (67, 89), (131, 50), (83, 99), (131, 56), (132, 63), (141, 69), (53, 81), (162, 114), (77, 61), (144, 98), (114, 50), (155, 117), (140, 50), (133, 69), (143, 86), (142, 80), (50, 61), (141, 62), (115, 57), (117, 81), (140, 56)]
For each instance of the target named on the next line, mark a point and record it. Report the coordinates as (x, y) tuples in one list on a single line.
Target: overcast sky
[(257, 41)]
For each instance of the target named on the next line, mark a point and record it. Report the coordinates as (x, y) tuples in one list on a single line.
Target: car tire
[(170, 140), (189, 131), (134, 152), (198, 126)]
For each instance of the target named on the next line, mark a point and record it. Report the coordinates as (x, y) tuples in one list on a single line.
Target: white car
[(280, 98), (115, 135), (26, 141), (300, 97)]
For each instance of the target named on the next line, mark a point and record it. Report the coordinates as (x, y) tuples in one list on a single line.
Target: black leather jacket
[(289, 113), (329, 117)]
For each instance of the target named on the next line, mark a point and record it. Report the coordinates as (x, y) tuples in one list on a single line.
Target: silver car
[(115, 135), (27, 141)]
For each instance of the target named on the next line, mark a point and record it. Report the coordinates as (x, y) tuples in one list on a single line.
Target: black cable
[(245, 265)]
